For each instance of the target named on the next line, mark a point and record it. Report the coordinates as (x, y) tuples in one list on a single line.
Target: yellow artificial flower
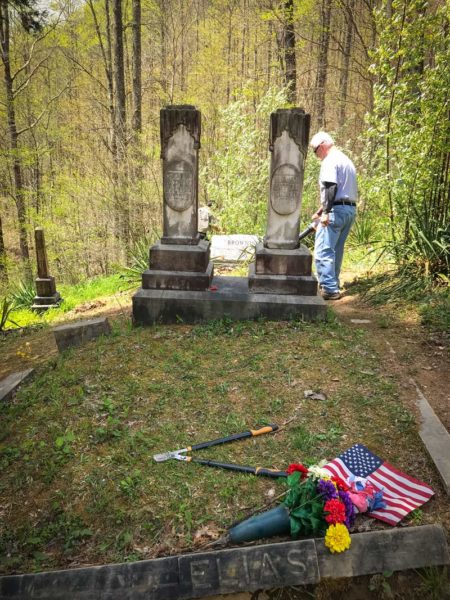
[(337, 538)]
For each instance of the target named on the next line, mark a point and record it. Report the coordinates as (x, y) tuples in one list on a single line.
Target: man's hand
[(324, 219), (317, 214)]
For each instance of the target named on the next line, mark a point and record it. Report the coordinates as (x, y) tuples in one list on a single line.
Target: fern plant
[(23, 295), (6, 308)]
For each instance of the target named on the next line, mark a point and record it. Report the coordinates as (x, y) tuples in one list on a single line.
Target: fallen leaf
[(207, 532), (270, 493), (314, 395)]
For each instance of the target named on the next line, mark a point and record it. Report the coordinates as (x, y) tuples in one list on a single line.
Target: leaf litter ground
[(78, 484)]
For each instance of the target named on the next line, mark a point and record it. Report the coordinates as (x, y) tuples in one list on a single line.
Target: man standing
[(338, 197)]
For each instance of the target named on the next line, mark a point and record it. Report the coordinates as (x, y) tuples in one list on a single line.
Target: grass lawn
[(78, 484)]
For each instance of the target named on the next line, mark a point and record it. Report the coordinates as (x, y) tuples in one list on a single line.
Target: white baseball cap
[(321, 137)]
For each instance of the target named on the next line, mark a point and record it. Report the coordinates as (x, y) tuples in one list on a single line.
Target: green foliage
[(305, 506), (72, 295), (435, 311), (435, 584), (139, 259), (236, 174), (380, 585), (6, 307), (408, 139)]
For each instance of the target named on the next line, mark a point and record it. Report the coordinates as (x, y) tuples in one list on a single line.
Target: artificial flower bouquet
[(316, 504)]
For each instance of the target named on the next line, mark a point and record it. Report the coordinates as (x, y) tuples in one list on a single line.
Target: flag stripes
[(401, 493)]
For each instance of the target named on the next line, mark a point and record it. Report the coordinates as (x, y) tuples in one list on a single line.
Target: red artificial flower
[(336, 511), (297, 467), (340, 483)]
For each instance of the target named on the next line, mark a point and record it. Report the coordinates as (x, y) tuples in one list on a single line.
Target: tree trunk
[(346, 55), (122, 201), (3, 270), (288, 36), (322, 68), (163, 21), (137, 218), (19, 192), (137, 68)]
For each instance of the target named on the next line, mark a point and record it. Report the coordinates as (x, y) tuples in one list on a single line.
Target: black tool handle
[(234, 437), (240, 468), (306, 232)]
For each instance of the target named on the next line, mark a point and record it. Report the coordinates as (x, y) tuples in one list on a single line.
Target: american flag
[(401, 493)]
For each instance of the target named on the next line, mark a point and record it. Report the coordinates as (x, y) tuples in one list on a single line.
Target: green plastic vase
[(267, 524)]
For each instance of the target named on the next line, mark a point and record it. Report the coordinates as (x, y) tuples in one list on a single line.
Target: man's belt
[(344, 203)]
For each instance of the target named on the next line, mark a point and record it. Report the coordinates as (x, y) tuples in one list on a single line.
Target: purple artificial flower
[(349, 509), (326, 489)]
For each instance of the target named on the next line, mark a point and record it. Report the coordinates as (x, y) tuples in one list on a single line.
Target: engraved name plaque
[(285, 189), (179, 185)]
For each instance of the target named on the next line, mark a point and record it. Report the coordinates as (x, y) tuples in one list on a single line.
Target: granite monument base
[(300, 285), (182, 257), (153, 279), (282, 271), (46, 302), (227, 297), (45, 287), (271, 261)]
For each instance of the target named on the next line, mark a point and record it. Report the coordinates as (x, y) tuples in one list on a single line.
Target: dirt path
[(408, 353)]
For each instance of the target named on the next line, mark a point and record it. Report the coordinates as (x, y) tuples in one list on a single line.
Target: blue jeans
[(329, 247)]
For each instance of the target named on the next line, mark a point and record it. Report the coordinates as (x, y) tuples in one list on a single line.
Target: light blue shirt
[(336, 167)]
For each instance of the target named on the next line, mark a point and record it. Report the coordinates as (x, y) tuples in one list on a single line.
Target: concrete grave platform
[(10, 384), (227, 297), (80, 332), (234, 570)]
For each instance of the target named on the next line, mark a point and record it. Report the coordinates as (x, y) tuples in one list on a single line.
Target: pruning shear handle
[(180, 454)]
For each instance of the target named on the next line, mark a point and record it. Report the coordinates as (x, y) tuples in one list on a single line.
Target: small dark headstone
[(80, 332)]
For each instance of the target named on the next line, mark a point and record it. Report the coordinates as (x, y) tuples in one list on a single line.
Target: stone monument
[(282, 265), (47, 296), (180, 260), (179, 284)]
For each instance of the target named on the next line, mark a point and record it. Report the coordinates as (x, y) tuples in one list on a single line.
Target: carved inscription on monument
[(179, 185), (249, 569), (285, 189)]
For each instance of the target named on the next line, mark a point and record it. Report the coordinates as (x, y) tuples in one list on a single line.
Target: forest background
[(82, 84)]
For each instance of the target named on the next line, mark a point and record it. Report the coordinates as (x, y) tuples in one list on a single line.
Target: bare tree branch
[(39, 118), (25, 84)]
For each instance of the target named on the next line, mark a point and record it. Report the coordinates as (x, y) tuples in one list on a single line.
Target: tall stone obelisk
[(46, 294), (180, 260), (282, 265)]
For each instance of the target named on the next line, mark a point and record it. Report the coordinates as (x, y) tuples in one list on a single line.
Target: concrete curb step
[(10, 384), (243, 569)]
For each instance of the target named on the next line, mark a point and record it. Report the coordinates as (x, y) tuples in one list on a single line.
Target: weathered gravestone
[(282, 265), (47, 296), (180, 260)]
